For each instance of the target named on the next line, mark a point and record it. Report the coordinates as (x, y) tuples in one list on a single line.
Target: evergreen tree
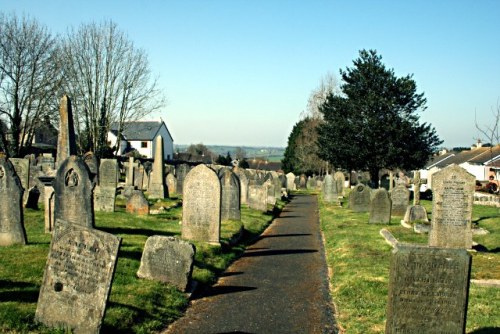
[(374, 123)]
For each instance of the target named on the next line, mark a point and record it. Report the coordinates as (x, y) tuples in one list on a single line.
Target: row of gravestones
[(429, 281)]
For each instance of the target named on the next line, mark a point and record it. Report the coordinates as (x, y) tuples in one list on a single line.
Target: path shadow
[(285, 235), (486, 330), (225, 289), (280, 252), (235, 273)]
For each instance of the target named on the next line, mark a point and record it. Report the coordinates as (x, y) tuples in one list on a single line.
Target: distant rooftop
[(137, 131)]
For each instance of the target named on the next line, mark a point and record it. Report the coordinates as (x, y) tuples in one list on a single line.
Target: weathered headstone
[(73, 201), (271, 199), (453, 196), (243, 185), (428, 289), (400, 197), (137, 203), (380, 207), (359, 198), (415, 213), (230, 200), (302, 182), (139, 176), (180, 173), (48, 202), (77, 278), (22, 168), (92, 163), (105, 192), (257, 197), (32, 199), (66, 140), (168, 260), (201, 207), (157, 182), (108, 173), (12, 230), (290, 181), (339, 181), (329, 189), (129, 172), (171, 182)]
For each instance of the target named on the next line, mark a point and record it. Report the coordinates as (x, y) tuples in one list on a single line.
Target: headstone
[(302, 182), (329, 189), (12, 230), (416, 188), (230, 200), (428, 289), (290, 181), (73, 201), (415, 213), (243, 185), (453, 196), (271, 194), (180, 173), (257, 197), (32, 199), (66, 140), (77, 278), (137, 204), (129, 171), (108, 173), (145, 177), (380, 207), (339, 178), (201, 207), (93, 165), (139, 176), (168, 260), (157, 182), (47, 162), (391, 181), (359, 198), (105, 192), (171, 182), (400, 197), (22, 168)]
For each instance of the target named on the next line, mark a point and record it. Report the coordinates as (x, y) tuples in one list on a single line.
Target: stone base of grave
[(421, 228), (406, 224), (480, 231)]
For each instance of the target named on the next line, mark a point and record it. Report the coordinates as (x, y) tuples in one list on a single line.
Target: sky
[(240, 72)]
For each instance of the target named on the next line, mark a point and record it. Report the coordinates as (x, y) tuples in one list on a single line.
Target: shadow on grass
[(476, 222), (484, 249), (129, 254), (486, 330), (20, 292), (135, 231)]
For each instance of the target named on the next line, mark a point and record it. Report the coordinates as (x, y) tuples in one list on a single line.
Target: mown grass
[(135, 305), (359, 259)]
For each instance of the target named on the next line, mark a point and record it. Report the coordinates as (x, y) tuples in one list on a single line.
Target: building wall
[(479, 171)]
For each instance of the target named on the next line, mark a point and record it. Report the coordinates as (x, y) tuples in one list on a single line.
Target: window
[(144, 144)]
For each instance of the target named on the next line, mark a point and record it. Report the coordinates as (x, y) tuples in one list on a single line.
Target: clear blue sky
[(240, 72)]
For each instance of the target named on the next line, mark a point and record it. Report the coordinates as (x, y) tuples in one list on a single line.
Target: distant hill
[(272, 154)]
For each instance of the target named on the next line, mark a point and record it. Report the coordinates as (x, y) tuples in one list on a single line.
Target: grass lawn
[(135, 305), (359, 260)]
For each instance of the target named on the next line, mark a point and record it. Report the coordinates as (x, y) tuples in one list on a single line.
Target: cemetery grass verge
[(359, 260), (135, 305)]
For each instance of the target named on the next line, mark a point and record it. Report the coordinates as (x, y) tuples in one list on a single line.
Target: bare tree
[(109, 80), (491, 132), (28, 80), (327, 85)]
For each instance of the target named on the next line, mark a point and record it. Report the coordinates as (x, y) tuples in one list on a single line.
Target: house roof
[(440, 160), (139, 131), (488, 155), (480, 156)]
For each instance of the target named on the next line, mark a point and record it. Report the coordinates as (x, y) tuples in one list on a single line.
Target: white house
[(141, 137)]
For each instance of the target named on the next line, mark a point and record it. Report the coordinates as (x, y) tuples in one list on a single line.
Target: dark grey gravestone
[(453, 196), (400, 197), (359, 198), (180, 173), (73, 200), (257, 197), (32, 199), (105, 193), (77, 278), (137, 203), (93, 165), (428, 290), (168, 260), (22, 168), (12, 230), (380, 207), (201, 206), (230, 200)]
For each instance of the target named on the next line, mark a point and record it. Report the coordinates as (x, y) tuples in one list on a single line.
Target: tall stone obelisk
[(157, 181), (66, 140)]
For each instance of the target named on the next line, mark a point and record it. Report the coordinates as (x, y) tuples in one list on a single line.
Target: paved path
[(280, 285)]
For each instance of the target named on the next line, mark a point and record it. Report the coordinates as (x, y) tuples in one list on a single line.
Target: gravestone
[(105, 192), (271, 197), (168, 260), (257, 197), (93, 165), (339, 181), (415, 213), (359, 198), (302, 182), (77, 278), (201, 206), (48, 202), (138, 176), (146, 175), (66, 140), (12, 230), (73, 200), (243, 185), (428, 289), (137, 204), (171, 182), (32, 199), (290, 181), (230, 196), (157, 182), (453, 196), (380, 207), (400, 197), (180, 173), (310, 184), (329, 189), (22, 168)]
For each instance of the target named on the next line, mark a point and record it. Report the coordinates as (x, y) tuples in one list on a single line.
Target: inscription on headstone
[(428, 288), (77, 278), (453, 197)]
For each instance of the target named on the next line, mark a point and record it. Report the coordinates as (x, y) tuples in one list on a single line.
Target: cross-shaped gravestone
[(129, 176), (417, 181)]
